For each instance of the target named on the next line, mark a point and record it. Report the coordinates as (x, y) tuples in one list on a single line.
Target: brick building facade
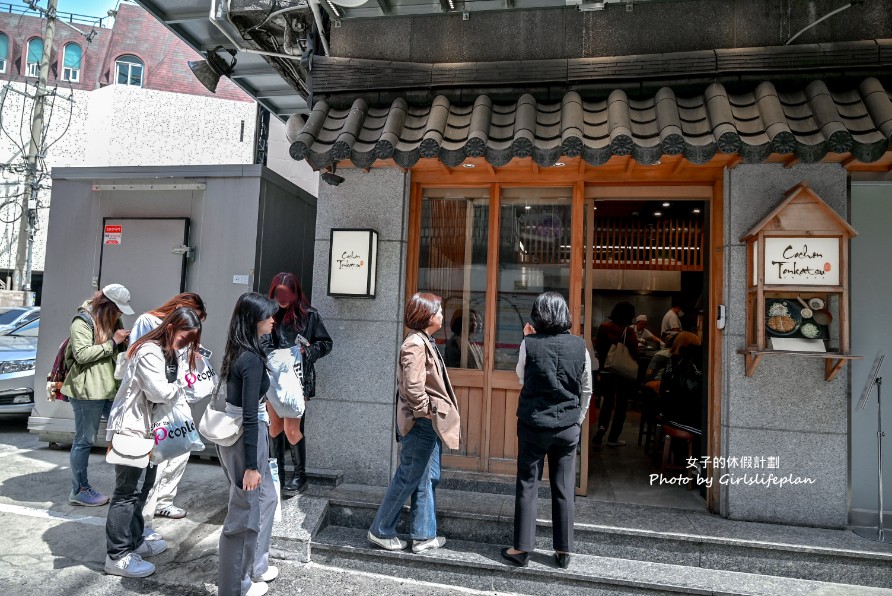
[(135, 33)]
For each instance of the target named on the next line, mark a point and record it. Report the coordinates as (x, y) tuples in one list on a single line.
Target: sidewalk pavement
[(52, 548)]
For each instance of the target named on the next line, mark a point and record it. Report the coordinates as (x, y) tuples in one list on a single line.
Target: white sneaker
[(150, 548), (257, 589), (150, 534), (419, 546), (394, 543), (271, 573), (130, 565)]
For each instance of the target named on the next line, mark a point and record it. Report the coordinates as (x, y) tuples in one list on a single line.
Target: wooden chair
[(671, 432)]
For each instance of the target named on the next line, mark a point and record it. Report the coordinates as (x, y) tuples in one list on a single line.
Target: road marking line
[(19, 450), (49, 514)]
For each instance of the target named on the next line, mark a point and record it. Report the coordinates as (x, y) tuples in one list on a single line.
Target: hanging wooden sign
[(802, 261)]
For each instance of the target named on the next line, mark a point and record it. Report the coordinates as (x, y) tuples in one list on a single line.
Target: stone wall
[(350, 422), (786, 409)]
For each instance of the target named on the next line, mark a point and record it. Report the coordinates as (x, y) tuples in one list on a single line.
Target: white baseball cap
[(641, 318), (120, 296)]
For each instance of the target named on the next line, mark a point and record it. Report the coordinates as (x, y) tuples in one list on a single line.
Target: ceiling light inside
[(468, 165), (559, 164), (696, 211), (665, 204), (658, 213)]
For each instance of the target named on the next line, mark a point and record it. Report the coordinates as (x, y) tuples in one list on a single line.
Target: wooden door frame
[(620, 177)]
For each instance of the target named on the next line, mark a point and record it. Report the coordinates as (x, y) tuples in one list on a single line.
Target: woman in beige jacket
[(427, 415)]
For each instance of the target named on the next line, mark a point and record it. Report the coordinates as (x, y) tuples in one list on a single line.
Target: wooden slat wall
[(671, 245)]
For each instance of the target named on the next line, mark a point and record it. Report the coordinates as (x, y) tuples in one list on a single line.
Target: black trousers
[(124, 524), (616, 391), (533, 446)]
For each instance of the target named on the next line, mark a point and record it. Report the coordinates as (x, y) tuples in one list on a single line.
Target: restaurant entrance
[(489, 250), (648, 254)]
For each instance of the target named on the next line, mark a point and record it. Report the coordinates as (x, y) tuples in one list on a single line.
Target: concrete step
[(486, 483), (652, 534), (479, 566)]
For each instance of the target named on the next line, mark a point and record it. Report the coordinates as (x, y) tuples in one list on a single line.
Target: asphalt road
[(50, 548)]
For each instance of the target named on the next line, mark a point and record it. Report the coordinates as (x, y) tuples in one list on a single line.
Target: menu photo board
[(802, 261), (352, 263)]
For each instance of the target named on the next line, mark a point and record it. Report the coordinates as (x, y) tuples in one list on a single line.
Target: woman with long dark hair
[(244, 542), (427, 415), (556, 371), (297, 323), (614, 389), (170, 471), (150, 379), (96, 337)]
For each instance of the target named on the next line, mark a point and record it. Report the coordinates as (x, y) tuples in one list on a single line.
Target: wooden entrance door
[(488, 252)]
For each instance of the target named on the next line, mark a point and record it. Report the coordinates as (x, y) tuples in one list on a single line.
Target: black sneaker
[(297, 484)]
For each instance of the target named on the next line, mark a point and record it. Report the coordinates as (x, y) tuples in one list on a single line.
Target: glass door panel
[(453, 264), (534, 257)]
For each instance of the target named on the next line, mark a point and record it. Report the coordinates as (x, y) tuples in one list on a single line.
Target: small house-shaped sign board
[(797, 283)]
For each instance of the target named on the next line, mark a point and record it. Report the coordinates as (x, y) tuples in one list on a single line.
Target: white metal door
[(136, 252)]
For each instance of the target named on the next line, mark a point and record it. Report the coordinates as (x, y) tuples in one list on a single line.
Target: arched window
[(35, 55), (128, 70), (72, 56), (4, 51)]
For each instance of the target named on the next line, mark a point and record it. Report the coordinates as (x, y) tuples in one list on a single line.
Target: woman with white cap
[(96, 336)]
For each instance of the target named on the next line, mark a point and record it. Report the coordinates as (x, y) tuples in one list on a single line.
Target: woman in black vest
[(556, 372)]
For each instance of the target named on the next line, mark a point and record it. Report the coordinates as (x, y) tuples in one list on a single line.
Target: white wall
[(279, 160), (871, 206), (119, 125)]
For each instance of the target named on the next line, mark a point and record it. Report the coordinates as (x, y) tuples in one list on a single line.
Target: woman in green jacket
[(96, 336)]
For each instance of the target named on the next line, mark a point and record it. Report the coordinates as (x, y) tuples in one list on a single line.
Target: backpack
[(62, 365)]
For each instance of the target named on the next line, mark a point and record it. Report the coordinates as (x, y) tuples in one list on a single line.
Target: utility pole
[(22, 275)]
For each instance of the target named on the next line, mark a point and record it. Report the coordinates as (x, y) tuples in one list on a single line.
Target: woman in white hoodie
[(151, 379), (170, 471)]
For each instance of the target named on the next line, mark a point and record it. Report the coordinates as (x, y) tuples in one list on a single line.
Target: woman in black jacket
[(297, 323), (614, 389)]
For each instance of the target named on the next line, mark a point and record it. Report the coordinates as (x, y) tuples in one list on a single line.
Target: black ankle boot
[(297, 484), (518, 559)]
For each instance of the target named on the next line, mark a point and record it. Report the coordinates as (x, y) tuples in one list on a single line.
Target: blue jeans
[(87, 414), (417, 477)]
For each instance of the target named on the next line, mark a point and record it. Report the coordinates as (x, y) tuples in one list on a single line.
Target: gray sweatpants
[(248, 527)]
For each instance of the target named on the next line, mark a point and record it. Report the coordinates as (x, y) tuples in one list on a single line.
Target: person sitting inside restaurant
[(681, 383), (645, 337)]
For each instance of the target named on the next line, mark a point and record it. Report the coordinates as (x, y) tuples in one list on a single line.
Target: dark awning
[(807, 123)]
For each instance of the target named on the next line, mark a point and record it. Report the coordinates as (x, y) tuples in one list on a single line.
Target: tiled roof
[(808, 123)]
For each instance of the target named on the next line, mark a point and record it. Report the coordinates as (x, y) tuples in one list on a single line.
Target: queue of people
[(134, 377), (554, 368)]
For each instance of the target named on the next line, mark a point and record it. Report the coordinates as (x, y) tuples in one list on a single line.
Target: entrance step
[(486, 483), (606, 530), (479, 566)]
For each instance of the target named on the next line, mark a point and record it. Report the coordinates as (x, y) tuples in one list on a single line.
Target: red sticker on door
[(113, 234)]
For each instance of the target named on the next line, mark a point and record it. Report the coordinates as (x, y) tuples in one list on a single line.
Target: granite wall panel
[(786, 409)]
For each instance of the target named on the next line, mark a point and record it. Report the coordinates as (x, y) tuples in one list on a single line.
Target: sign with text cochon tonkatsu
[(802, 261)]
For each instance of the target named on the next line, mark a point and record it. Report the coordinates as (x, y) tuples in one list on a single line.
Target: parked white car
[(18, 355), (16, 316)]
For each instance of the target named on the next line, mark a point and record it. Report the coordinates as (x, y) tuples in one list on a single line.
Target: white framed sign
[(352, 263), (802, 261)]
